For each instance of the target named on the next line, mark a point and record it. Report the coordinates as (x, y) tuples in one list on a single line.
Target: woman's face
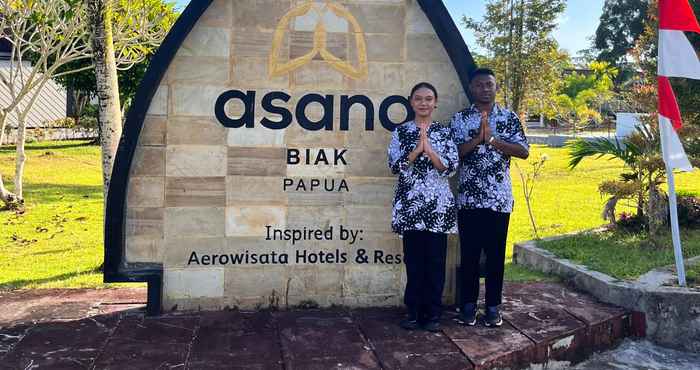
[(423, 102)]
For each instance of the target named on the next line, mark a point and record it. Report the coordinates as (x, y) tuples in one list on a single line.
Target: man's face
[(483, 89)]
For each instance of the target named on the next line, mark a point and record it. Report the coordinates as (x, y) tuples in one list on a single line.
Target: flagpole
[(675, 230)]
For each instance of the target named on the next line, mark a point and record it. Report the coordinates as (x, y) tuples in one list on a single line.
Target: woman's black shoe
[(410, 324), (432, 325)]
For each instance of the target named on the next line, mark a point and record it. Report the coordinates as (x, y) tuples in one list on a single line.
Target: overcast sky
[(576, 26)]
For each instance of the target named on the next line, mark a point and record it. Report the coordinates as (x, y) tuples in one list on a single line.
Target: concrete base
[(546, 326), (668, 315)]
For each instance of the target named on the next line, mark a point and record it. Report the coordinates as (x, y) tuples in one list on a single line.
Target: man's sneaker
[(432, 325), (493, 317), (411, 322), (468, 314)]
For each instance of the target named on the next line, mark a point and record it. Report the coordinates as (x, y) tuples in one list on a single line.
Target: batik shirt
[(423, 200), (484, 174)]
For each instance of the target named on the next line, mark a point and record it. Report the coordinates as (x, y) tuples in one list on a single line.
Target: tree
[(148, 22), (518, 35), (621, 24), (53, 34)]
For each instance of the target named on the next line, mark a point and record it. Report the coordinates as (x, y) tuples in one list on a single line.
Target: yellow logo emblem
[(277, 68)]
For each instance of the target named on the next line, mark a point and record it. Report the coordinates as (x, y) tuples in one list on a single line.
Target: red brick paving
[(107, 329)]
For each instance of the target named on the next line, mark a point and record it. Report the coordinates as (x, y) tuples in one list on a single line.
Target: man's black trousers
[(425, 254), (488, 230)]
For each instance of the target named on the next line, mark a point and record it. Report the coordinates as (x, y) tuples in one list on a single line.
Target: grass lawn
[(58, 242), (692, 274), (621, 254)]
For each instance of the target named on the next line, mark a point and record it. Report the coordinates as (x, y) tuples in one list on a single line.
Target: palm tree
[(641, 156)]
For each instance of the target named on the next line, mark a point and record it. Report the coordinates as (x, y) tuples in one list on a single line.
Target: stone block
[(416, 20), (259, 14), (380, 18), (253, 43), (219, 14), (254, 190), (371, 280), (387, 48), (252, 220), (196, 161), (332, 23), (143, 249), (422, 47), (316, 280), (248, 161), (375, 300), (359, 139), (297, 137), (153, 131), (302, 42), (148, 161), (144, 222), (371, 191), (260, 283), (195, 100), (193, 283), (159, 102), (195, 131), (146, 192), (259, 137), (317, 75), (206, 42), (256, 73), (180, 250), (195, 192), (199, 69), (369, 218), (381, 77), (194, 222), (368, 163), (315, 217)]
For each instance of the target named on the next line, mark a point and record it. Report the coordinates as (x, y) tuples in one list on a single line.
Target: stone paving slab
[(107, 329)]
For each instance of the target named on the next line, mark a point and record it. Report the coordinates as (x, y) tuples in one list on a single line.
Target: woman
[(424, 155)]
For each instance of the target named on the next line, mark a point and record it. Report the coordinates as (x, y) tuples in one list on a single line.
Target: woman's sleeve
[(398, 158), (449, 155)]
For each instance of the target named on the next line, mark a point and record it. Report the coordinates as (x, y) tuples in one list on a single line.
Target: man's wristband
[(492, 139)]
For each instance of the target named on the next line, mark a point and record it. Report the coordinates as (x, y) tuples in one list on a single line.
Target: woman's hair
[(423, 85)]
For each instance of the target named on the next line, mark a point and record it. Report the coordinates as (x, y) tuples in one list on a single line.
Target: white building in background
[(49, 106), (627, 124)]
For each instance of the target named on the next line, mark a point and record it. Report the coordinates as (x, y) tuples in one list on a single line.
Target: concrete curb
[(672, 314)]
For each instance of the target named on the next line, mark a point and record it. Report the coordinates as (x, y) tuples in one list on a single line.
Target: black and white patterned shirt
[(423, 200), (484, 174)]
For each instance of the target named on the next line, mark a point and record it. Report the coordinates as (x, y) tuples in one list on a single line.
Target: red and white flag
[(677, 58)]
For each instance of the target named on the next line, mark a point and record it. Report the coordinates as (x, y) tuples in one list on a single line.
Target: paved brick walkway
[(106, 329)]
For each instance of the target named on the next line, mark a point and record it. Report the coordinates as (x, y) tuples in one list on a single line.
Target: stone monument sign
[(253, 167)]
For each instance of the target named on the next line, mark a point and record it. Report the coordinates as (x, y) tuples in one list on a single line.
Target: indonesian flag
[(677, 58)]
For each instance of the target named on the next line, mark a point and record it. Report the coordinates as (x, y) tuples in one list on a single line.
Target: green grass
[(620, 254), (58, 241), (692, 275)]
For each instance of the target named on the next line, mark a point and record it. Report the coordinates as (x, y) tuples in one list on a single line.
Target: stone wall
[(196, 185)]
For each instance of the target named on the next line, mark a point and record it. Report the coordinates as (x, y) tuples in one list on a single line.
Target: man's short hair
[(481, 72)]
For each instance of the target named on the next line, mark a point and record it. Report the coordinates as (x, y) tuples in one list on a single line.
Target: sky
[(576, 25)]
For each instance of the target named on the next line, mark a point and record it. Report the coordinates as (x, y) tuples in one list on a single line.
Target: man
[(488, 136)]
